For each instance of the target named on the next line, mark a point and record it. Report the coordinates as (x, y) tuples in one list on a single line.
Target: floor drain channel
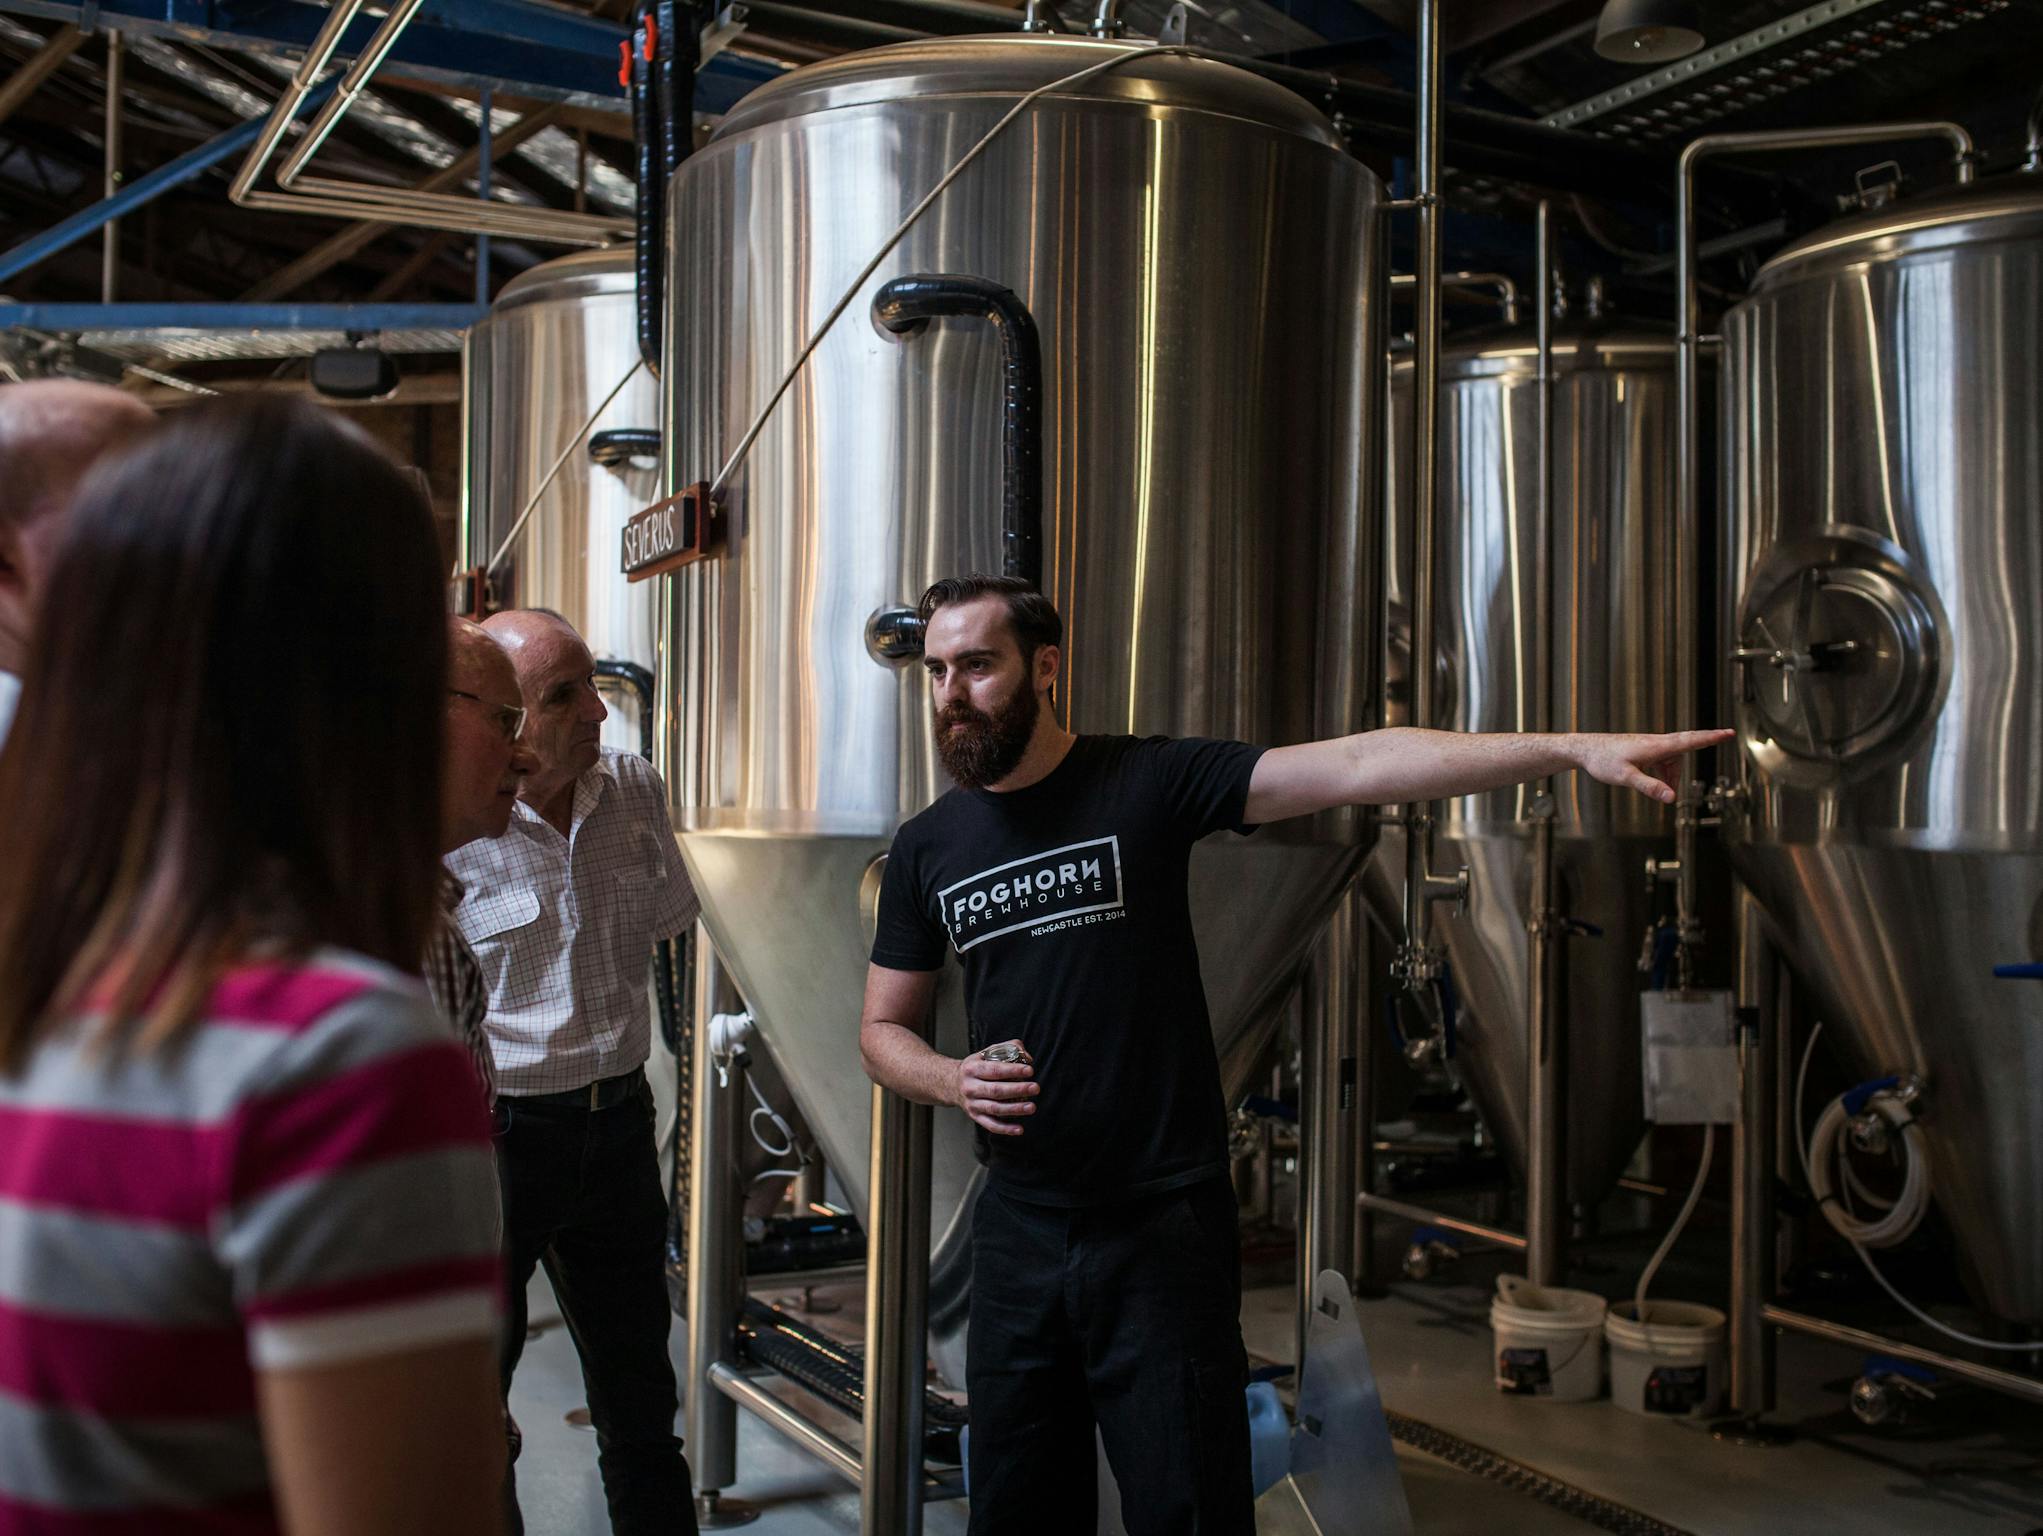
[(1600, 1512)]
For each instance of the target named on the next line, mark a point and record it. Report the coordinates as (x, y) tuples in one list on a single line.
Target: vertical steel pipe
[(716, 1239), (896, 1317), (110, 250), (1335, 994), (1418, 961), (1546, 1173), (482, 176), (1688, 809), (1752, 1168), (1368, 1046)]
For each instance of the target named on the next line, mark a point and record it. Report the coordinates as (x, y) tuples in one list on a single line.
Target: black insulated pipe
[(666, 48), (616, 446), (905, 306), (647, 259), (675, 61)]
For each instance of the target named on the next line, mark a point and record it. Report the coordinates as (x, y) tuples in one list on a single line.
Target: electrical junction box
[(1691, 1057)]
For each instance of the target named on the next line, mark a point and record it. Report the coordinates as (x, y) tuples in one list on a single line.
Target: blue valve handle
[(1855, 1102), (2028, 970), (1907, 1370)]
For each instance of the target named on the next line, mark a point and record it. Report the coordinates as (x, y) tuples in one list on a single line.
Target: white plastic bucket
[(1672, 1364), (1549, 1341)]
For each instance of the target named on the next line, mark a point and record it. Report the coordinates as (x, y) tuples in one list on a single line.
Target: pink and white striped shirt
[(305, 1181)]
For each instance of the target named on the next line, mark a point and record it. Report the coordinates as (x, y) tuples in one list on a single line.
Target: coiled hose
[(1902, 1218)]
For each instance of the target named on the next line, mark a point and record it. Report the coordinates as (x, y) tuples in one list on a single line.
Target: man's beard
[(989, 747)]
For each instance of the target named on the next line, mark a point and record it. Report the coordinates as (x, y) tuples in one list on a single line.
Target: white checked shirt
[(564, 927)]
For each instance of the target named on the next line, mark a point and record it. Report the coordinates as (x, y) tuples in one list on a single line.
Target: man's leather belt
[(604, 1093)]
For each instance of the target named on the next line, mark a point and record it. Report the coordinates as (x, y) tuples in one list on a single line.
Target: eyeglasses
[(509, 719)]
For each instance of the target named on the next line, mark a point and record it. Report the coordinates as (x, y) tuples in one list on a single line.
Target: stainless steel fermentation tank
[(555, 343), (1883, 592), (1189, 240), (546, 489), (1613, 670)]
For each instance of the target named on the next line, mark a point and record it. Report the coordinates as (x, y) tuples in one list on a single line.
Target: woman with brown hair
[(248, 1276)]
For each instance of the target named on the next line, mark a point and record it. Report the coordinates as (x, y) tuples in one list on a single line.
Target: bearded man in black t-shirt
[(1106, 1264)]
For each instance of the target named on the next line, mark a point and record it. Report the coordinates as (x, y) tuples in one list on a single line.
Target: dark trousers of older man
[(581, 1191)]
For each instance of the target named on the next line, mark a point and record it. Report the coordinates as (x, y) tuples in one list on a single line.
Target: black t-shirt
[(1066, 903)]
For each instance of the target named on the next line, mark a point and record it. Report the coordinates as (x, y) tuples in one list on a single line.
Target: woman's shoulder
[(327, 1012)]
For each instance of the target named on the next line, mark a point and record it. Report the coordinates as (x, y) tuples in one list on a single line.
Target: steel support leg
[(896, 1317), (716, 1245)]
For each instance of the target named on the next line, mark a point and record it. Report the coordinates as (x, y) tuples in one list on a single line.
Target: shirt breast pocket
[(637, 893), (494, 929)]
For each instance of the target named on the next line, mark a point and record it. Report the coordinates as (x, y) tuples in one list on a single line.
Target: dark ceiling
[(1976, 60)]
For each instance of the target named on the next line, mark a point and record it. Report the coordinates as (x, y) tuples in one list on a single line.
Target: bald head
[(51, 431), (557, 677), (475, 661), (485, 761)]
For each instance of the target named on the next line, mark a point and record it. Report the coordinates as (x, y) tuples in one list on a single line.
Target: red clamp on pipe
[(652, 41), (624, 62)]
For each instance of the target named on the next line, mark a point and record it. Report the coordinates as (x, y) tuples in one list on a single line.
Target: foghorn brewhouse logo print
[(1049, 890)]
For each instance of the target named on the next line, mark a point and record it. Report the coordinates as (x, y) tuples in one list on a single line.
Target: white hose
[(1702, 1173), (773, 1118), (1827, 1150), (1848, 1225)]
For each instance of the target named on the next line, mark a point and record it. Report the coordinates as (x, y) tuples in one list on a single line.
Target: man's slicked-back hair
[(1033, 617)]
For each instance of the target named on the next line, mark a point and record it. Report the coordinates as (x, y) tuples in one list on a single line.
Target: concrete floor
[(1974, 1467)]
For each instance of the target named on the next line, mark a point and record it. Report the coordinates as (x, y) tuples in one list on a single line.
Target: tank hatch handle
[(904, 307), (616, 447)]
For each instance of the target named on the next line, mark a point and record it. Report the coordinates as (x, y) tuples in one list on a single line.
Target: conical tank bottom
[(791, 915), (1486, 957), (1897, 946)]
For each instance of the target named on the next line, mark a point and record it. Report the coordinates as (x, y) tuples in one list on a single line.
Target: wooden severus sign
[(671, 533)]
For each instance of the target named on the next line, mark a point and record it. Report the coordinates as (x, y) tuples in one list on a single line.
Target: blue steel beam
[(241, 317), (186, 167), (515, 46)]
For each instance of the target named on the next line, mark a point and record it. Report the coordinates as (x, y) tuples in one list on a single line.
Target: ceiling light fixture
[(1648, 31)]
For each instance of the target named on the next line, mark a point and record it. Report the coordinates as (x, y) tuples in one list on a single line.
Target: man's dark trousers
[(1128, 1315), (582, 1196)]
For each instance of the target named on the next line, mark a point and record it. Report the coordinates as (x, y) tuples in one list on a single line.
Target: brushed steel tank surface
[(1190, 242), (1613, 670), (557, 340), (1883, 565)]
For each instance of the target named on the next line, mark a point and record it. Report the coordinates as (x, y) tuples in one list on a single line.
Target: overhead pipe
[(1498, 283), (116, 82), (1689, 806), (360, 200), (1418, 962), (1546, 1173)]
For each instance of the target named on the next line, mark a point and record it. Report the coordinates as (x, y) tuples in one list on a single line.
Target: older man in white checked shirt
[(562, 912)]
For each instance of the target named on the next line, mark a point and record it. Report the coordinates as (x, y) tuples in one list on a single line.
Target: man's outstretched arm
[(1402, 764), (995, 1094)]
